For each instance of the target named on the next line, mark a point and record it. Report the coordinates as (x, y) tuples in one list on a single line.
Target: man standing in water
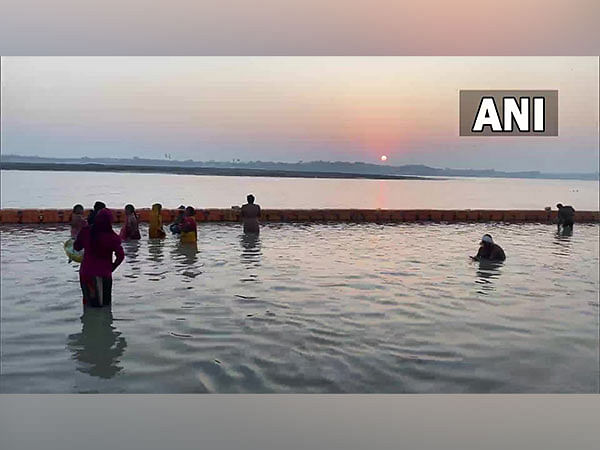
[(565, 216), (489, 250), (250, 215)]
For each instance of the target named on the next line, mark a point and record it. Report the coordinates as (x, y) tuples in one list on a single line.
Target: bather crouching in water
[(566, 216), (489, 250)]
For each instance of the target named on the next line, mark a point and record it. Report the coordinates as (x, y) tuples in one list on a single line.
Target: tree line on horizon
[(356, 167)]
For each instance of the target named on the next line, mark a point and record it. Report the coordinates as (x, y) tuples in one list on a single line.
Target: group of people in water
[(94, 236)]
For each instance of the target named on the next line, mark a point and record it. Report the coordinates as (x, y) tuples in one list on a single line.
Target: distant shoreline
[(300, 169), (216, 171)]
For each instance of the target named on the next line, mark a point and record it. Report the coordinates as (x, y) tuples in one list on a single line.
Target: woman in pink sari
[(130, 228), (95, 274)]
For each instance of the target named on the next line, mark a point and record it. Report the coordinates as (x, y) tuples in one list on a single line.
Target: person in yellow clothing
[(189, 229), (156, 229)]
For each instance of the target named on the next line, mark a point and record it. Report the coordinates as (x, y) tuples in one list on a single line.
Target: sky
[(291, 109), (300, 27)]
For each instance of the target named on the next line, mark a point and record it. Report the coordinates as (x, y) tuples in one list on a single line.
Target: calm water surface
[(308, 308), (33, 189)]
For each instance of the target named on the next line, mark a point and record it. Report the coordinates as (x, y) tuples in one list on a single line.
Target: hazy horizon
[(288, 109), (297, 162)]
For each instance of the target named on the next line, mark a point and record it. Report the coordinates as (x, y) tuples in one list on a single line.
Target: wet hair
[(250, 198), (99, 205), (559, 205), (77, 207), (190, 210)]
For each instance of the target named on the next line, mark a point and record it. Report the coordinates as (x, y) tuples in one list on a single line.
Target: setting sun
[(383, 158)]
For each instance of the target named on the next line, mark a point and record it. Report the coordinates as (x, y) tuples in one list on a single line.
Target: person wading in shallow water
[(250, 215), (156, 226), (489, 250), (130, 229), (189, 228), (565, 216), (77, 221), (97, 207), (95, 274), (175, 227)]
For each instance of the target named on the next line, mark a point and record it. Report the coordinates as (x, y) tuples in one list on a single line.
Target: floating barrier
[(33, 216)]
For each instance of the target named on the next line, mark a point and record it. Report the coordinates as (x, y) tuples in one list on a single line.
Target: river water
[(320, 308), (33, 189)]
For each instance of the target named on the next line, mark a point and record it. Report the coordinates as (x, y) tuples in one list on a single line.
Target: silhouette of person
[(489, 250), (250, 215), (566, 215)]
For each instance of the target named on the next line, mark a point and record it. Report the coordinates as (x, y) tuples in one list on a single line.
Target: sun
[(383, 158)]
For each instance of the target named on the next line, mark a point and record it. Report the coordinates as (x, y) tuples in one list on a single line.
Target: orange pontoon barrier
[(32, 216)]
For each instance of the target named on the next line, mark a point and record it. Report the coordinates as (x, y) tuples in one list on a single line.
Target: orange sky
[(291, 108)]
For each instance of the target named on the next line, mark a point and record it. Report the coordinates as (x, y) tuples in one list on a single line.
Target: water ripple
[(307, 308)]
